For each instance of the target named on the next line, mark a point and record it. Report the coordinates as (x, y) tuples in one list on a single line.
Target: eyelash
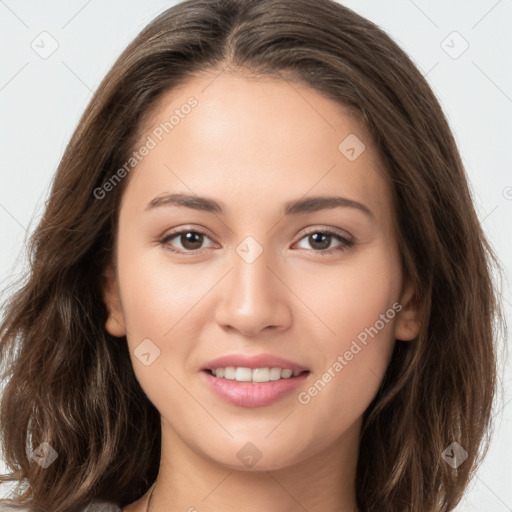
[(345, 243)]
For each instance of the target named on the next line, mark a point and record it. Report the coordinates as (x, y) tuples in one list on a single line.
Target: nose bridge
[(254, 298), (251, 283)]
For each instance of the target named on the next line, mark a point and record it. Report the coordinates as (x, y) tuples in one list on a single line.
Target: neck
[(189, 481)]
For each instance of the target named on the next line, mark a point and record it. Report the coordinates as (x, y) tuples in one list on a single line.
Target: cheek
[(352, 296), (358, 314), (156, 293), (159, 301)]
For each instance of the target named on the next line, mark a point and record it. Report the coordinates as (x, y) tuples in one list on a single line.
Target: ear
[(115, 321), (407, 325)]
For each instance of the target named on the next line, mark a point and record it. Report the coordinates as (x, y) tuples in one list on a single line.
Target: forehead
[(259, 137)]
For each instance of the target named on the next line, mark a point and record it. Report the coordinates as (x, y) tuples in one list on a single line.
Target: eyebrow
[(309, 205)]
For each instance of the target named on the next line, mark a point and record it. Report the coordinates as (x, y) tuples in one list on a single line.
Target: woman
[(259, 281)]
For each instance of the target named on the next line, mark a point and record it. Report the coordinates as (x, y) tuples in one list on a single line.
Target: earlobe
[(115, 319), (407, 325)]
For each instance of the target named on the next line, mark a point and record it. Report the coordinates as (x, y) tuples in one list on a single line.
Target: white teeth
[(242, 374), (229, 373), (274, 373)]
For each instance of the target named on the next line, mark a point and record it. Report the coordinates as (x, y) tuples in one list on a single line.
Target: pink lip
[(258, 361), (252, 394)]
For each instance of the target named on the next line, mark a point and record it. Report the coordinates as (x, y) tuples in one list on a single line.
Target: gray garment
[(96, 506), (102, 506)]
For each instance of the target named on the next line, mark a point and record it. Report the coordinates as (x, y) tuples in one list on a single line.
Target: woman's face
[(268, 269)]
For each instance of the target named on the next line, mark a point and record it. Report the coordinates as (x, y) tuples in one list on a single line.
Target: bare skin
[(254, 144)]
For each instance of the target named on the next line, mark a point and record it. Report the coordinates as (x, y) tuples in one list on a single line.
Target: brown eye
[(188, 240), (320, 240), (191, 240)]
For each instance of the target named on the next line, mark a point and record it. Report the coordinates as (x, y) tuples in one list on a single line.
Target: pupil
[(189, 239), (324, 244)]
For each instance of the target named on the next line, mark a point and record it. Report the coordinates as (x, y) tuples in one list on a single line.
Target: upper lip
[(254, 361)]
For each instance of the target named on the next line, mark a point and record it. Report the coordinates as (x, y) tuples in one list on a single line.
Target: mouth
[(253, 387)]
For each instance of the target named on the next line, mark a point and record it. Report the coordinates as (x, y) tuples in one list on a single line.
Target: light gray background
[(41, 101)]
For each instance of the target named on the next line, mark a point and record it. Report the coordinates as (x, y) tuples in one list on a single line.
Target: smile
[(258, 387)]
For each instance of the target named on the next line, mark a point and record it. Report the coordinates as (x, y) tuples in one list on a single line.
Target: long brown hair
[(71, 384)]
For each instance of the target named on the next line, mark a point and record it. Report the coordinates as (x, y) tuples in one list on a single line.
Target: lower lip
[(252, 394)]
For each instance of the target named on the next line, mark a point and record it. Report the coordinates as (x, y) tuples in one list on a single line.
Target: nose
[(254, 297)]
